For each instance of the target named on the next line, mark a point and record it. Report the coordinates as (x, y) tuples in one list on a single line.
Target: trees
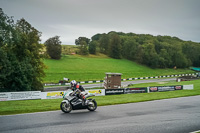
[(6, 29), (153, 51), (83, 48), (92, 47), (104, 43), (96, 37), (115, 47), (164, 59), (16, 75), (53, 47), (191, 50), (129, 50), (80, 39), (150, 57), (21, 66), (83, 43), (30, 47)]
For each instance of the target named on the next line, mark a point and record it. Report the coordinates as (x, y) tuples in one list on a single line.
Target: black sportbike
[(73, 102)]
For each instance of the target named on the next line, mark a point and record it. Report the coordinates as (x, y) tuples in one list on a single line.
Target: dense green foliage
[(114, 48), (53, 47), (153, 51), (94, 67), (83, 43), (21, 67), (92, 47), (82, 39)]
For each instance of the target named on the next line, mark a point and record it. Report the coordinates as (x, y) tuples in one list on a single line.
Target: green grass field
[(86, 68), (92, 67), (29, 106)]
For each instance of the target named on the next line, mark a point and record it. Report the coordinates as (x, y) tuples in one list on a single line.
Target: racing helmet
[(73, 83)]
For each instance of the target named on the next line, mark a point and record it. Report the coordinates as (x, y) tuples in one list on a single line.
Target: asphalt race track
[(177, 115)]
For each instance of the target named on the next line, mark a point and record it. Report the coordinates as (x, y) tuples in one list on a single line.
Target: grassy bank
[(28, 106), (86, 68)]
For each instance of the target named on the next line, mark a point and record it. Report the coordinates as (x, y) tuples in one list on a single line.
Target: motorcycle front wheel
[(92, 105), (66, 108)]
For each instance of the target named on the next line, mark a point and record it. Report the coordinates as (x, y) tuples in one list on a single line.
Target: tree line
[(153, 51)]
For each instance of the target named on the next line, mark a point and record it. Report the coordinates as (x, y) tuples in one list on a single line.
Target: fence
[(27, 95), (100, 81)]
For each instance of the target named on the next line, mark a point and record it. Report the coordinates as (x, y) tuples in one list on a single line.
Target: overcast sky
[(71, 19)]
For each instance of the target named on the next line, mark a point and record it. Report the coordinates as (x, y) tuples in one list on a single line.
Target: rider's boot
[(83, 101)]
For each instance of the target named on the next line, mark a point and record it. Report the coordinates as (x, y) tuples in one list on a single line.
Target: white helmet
[(73, 83)]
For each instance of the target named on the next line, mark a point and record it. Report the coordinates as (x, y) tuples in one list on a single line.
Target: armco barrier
[(155, 77), (52, 94), (60, 94), (135, 90), (100, 81), (114, 91), (23, 95), (99, 92), (26, 95), (165, 88), (188, 87)]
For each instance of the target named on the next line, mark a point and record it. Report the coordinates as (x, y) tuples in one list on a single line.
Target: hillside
[(92, 67), (152, 51)]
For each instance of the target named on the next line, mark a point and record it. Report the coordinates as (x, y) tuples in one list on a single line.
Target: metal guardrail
[(101, 81)]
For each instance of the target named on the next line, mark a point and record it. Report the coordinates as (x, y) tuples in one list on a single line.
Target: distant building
[(112, 81)]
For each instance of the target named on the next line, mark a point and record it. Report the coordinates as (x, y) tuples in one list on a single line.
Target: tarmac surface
[(176, 115)]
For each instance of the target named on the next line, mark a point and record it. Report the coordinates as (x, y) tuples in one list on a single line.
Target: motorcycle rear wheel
[(93, 105), (65, 108)]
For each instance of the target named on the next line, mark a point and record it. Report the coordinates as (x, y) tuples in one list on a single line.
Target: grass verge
[(86, 68), (29, 106)]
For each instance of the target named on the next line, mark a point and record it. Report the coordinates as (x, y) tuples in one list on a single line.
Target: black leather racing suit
[(79, 94)]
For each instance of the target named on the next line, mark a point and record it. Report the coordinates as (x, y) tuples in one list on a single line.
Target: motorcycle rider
[(81, 91)]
